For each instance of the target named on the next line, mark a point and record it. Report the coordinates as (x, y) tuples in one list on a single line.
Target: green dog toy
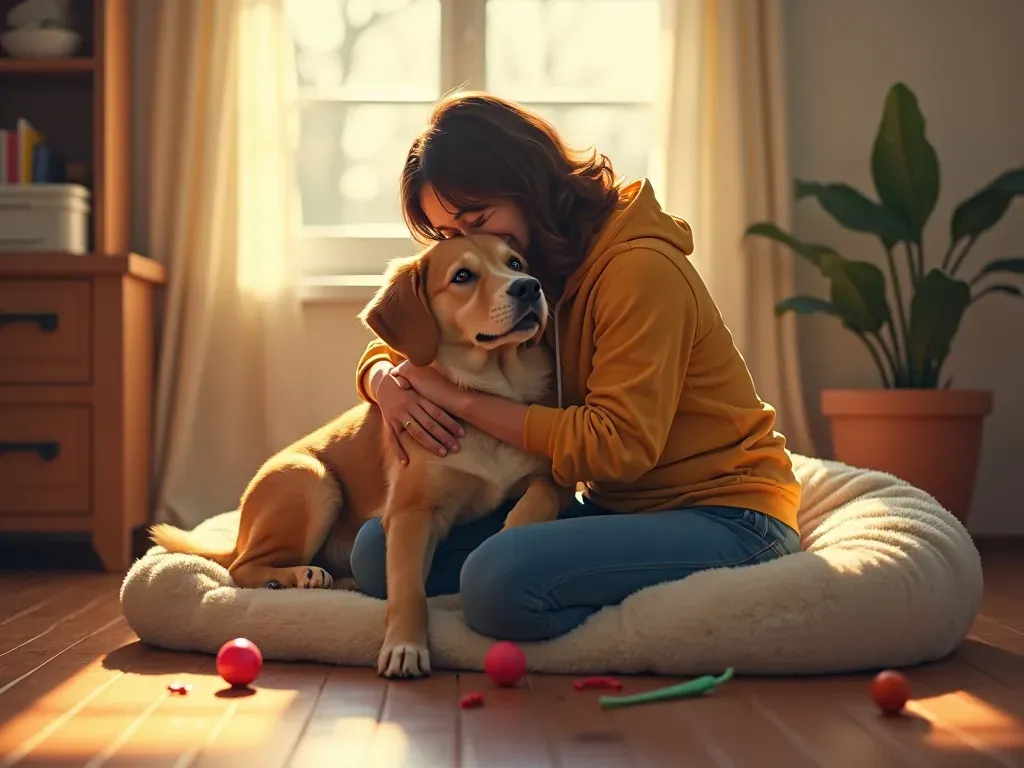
[(697, 687)]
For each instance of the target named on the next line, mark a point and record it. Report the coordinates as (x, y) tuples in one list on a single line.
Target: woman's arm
[(376, 357), (504, 419), (374, 376)]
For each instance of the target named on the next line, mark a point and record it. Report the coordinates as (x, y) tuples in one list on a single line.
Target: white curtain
[(724, 165), (222, 217)]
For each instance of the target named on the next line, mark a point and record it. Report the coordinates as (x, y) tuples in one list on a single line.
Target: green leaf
[(979, 213), (904, 165), (813, 252), (1013, 266), (808, 305), (854, 211), (1011, 290), (858, 290), (986, 207), (935, 313), (1011, 181)]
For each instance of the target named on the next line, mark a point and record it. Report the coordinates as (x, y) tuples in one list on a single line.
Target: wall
[(959, 57)]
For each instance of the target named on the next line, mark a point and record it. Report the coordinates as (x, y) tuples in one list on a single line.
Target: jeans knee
[(369, 559), (497, 599)]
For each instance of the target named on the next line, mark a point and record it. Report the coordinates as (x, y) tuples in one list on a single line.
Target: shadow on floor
[(56, 551)]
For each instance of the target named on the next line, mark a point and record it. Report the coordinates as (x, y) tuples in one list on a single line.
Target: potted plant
[(916, 426)]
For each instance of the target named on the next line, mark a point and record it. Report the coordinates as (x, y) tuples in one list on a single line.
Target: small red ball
[(890, 691), (239, 661), (505, 664)]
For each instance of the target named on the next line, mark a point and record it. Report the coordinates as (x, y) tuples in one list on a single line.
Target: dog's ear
[(400, 315)]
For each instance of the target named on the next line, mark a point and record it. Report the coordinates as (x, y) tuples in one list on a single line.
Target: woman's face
[(500, 217)]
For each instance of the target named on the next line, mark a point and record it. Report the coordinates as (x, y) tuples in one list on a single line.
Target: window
[(370, 71)]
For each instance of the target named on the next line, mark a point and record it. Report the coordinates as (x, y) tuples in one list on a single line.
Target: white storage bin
[(44, 217)]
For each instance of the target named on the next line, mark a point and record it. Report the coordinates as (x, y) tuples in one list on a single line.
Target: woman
[(658, 415)]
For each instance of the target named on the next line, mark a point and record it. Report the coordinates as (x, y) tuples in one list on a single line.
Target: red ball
[(239, 661), (890, 691), (505, 664)]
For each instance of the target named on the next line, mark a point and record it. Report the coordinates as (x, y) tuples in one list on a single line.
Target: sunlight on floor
[(963, 718), (389, 741), (101, 712)]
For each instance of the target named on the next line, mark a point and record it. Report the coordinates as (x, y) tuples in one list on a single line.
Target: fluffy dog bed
[(887, 578)]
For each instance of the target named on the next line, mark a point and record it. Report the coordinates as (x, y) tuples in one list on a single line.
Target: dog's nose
[(524, 289)]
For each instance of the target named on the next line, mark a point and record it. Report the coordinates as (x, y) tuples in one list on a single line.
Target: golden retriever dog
[(468, 308)]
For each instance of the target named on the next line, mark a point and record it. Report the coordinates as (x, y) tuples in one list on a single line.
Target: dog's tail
[(188, 543)]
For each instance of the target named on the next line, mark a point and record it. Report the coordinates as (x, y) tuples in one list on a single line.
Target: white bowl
[(40, 43)]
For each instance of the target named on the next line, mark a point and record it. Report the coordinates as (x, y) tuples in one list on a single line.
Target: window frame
[(366, 249)]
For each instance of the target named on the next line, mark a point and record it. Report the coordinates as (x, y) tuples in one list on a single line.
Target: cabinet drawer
[(44, 459), (44, 331)]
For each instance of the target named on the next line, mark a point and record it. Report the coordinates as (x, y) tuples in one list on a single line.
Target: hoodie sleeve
[(376, 351), (646, 321)]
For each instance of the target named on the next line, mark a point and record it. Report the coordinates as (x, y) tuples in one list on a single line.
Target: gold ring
[(406, 425)]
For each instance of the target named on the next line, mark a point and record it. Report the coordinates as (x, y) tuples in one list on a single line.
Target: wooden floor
[(78, 689)]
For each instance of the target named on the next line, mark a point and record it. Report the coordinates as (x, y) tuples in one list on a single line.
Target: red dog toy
[(239, 661), (597, 682), (890, 691), (471, 700), (505, 664)]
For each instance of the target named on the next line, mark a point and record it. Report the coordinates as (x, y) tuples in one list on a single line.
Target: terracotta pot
[(929, 437)]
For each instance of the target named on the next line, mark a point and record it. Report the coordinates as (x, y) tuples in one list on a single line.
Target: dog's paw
[(312, 577), (403, 660)]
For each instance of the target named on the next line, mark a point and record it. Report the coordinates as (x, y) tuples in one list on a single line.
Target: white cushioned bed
[(887, 578)]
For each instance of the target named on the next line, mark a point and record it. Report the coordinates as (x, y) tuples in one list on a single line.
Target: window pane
[(364, 44), (620, 132), (538, 49), (350, 158)]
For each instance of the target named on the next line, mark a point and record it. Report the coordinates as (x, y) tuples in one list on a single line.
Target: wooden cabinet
[(45, 337), (76, 396), (77, 331)]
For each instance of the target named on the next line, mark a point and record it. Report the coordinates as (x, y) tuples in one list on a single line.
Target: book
[(25, 158), (28, 139)]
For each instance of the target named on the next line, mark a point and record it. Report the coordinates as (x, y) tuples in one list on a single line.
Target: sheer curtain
[(724, 164), (222, 206)]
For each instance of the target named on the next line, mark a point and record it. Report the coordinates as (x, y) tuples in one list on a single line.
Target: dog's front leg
[(410, 549), (541, 503)]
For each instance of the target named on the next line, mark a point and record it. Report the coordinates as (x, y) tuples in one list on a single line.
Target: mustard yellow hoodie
[(657, 407)]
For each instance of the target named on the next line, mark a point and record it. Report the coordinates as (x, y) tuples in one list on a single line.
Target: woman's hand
[(404, 408), (430, 384)]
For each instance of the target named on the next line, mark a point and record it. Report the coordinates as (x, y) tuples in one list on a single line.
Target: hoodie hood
[(637, 216)]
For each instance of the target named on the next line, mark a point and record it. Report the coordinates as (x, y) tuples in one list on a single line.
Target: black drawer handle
[(48, 450), (47, 321)]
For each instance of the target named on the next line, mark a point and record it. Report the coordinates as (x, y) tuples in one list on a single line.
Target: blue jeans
[(539, 581)]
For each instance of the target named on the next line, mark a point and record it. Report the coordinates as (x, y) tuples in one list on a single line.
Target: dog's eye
[(515, 264), (462, 276)]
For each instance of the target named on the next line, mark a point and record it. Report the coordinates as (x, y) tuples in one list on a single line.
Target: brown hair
[(478, 148)]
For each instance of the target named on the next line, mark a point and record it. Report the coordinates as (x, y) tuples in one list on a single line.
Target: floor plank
[(507, 730), (418, 724), (77, 689), (347, 713)]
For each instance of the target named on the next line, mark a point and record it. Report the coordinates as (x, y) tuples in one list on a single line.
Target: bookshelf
[(77, 331)]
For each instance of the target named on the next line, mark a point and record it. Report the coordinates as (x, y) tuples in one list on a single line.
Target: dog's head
[(469, 291)]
